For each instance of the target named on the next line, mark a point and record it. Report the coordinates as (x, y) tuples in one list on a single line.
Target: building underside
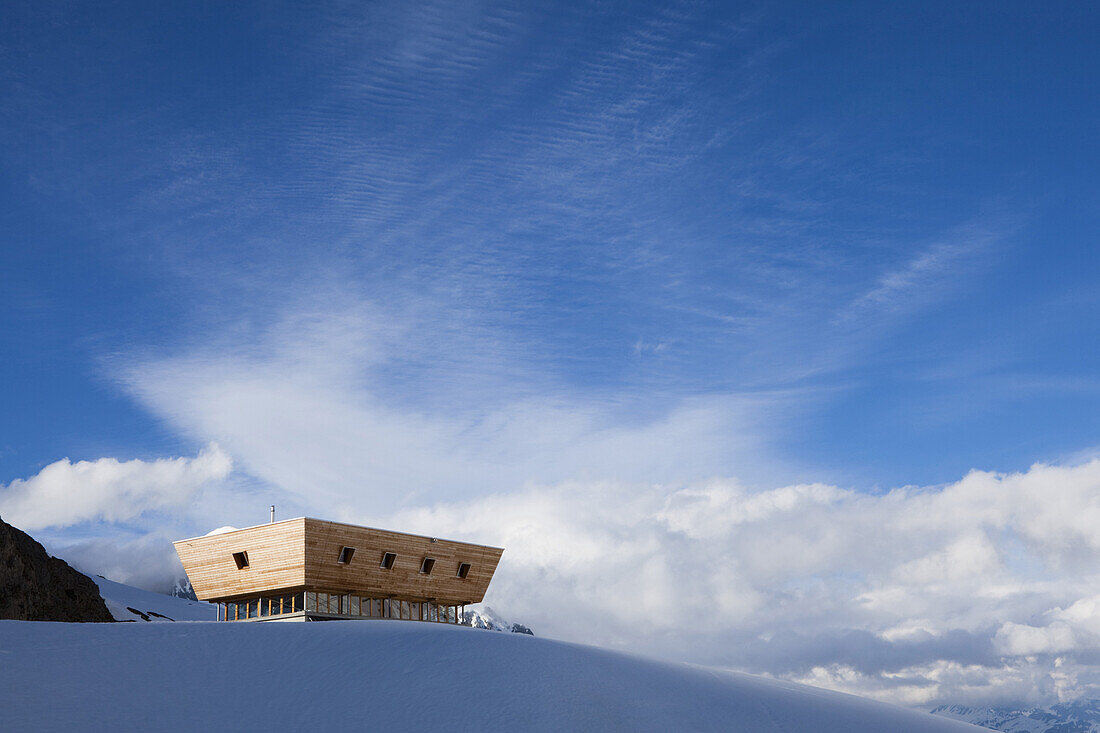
[(320, 606)]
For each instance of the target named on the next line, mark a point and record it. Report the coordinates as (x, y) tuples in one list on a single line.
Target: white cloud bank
[(66, 493), (980, 591), (915, 596)]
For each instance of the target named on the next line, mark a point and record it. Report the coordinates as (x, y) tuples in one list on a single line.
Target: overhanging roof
[(303, 554)]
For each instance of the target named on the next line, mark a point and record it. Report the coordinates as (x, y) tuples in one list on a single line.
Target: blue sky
[(639, 205), (378, 257)]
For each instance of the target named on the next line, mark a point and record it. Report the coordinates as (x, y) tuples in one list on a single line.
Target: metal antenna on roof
[(273, 514)]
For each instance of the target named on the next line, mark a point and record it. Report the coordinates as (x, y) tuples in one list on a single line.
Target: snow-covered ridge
[(347, 675), (484, 617), (1080, 716), (127, 603)]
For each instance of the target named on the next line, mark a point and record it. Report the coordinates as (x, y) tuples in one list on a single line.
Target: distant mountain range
[(487, 618), (1082, 716), (182, 589)]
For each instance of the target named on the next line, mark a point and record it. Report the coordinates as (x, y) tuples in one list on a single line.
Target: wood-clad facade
[(313, 569)]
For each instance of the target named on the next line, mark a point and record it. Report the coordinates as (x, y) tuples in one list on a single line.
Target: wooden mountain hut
[(312, 570)]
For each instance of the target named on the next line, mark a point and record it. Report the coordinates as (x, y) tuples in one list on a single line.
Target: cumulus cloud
[(66, 493), (1023, 640), (146, 561), (914, 596)]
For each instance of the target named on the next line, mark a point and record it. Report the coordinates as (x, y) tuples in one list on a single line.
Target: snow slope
[(127, 603), (377, 675)]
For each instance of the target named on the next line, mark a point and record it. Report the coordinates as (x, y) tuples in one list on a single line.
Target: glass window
[(353, 609), (241, 560), (311, 601), (463, 570), (345, 555), (426, 566), (388, 559)]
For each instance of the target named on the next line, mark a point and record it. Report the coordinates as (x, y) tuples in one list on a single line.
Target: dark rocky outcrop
[(37, 587)]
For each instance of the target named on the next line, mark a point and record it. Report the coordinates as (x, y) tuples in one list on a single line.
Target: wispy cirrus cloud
[(931, 273), (315, 406)]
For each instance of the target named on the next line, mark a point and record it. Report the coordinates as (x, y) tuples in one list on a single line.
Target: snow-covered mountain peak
[(1080, 716)]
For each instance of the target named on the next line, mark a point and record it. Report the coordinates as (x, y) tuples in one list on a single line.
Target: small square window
[(345, 555), (427, 565), (241, 558), (388, 558), (463, 570)]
